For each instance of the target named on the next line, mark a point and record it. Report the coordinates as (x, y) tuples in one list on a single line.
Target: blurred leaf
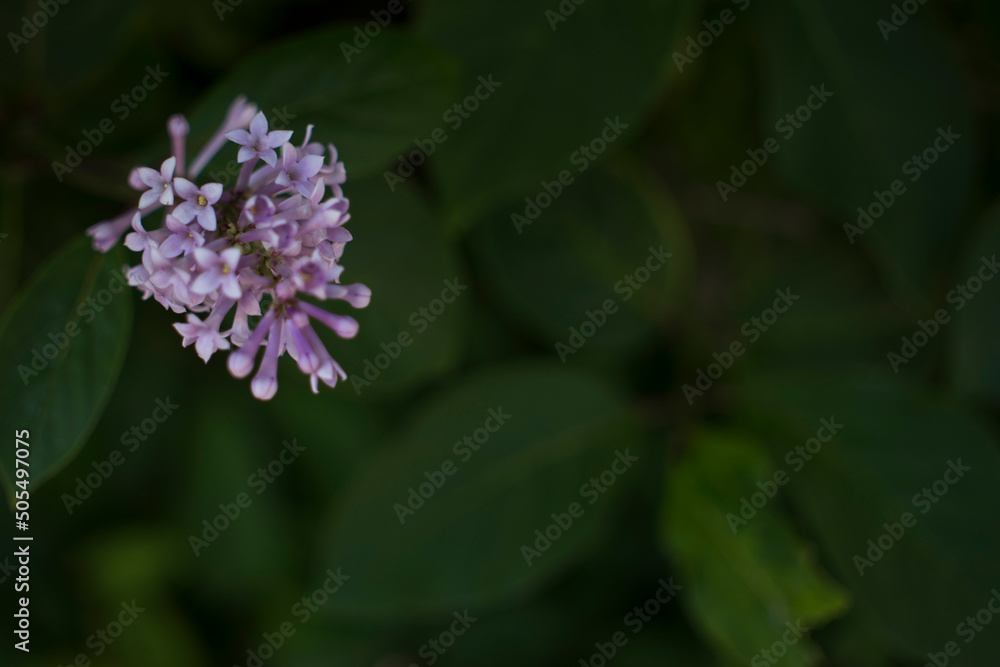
[(975, 343), (545, 633), (580, 252), (357, 435), (371, 107), (161, 637), (850, 644), (840, 315), (895, 445), (529, 127), (11, 221), (741, 588), (889, 98), (711, 114), (139, 561), (63, 338), (677, 649), (461, 547), (138, 565), (239, 559), (401, 254)]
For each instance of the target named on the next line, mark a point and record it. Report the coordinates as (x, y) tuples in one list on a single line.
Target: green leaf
[(539, 109), (63, 338), (410, 333), (462, 547), (975, 353), (889, 100), (371, 107), (230, 457), (741, 588), (576, 255), (895, 445)]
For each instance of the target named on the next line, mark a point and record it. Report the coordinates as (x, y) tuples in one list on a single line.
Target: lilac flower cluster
[(254, 251)]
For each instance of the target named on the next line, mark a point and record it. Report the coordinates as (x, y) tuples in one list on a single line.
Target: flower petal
[(241, 137), (148, 198), (167, 168), (185, 188), (278, 137), (258, 126), (212, 192), (269, 156), (206, 218)]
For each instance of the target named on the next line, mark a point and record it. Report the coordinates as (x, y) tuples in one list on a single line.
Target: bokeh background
[(736, 506)]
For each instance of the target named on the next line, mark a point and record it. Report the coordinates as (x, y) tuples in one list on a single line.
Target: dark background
[(690, 113)]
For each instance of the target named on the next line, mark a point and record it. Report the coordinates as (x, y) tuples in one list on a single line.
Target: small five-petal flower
[(218, 270), (258, 141), (298, 171), (205, 335), (183, 239), (158, 182), (197, 202)]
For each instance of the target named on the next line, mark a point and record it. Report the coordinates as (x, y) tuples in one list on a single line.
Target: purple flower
[(297, 172), (265, 383), (197, 202), (184, 239), (258, 142), (158, 183), (335, 173), (107, 233), (218, 270), (253, 253), (239, 115), (205, 336), (138, 239), (177, 128)]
